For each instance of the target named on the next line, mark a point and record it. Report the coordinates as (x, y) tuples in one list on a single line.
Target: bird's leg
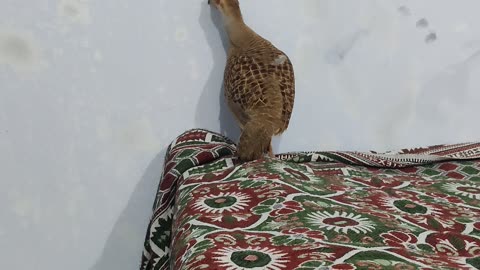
[(270, 151)]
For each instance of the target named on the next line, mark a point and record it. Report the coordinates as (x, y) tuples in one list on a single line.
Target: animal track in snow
[(432, 37), (404, 10), (422, 23)]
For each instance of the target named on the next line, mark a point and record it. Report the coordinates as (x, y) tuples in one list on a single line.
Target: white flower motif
[(341, 222), (256, 258), (467, 190), (219, 203)]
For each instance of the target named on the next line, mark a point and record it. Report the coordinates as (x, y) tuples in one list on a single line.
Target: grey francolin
[(259, 84)]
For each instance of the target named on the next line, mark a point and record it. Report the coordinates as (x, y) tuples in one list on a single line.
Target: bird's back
[(259, 82)]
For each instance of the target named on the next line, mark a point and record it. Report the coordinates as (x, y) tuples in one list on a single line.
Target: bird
[(259, 84)]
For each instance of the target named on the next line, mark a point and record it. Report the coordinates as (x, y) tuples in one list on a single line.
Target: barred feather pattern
[(259, 83)]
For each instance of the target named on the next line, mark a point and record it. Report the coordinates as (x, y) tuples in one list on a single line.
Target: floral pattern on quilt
[(412, 209)]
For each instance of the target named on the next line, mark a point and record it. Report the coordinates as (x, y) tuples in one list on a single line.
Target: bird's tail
[(255, 140)]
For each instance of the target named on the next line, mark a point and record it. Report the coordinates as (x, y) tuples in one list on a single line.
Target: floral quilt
[(411, 209)]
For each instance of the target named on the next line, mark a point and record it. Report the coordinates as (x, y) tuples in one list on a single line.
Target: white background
[(92, 92)]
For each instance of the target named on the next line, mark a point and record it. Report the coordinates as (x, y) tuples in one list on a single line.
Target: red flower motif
[(286, 208), (440, 261), (454, 244), (286, 218), (406, 195), (341, 239), (446, 197), (367, 240), (369, 265), (477, 225), (403, 266), (343, 266), (306, 232), (292, 225), (374, 212), (291, 222), (399, 239)]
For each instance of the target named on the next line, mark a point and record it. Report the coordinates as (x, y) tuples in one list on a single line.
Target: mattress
[(408, 209)]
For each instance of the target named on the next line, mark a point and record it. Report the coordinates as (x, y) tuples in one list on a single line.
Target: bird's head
[(229, 8)]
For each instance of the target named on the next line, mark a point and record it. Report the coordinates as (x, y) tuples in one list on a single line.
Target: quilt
[(408, 209)]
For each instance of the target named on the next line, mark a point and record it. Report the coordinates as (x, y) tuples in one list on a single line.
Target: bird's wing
[(261, 79)]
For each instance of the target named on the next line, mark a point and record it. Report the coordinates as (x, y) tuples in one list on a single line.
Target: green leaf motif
[(410, 207), (269, 202), (312, 264), (261, 210), (463, 220), (162, 233), (251, 184), (383, 262), (288, 240), (186, 153), (434, 223), (425, 247), (205, 244), (475, 262), (458, 243), (239, 236), (230, 219), (374, 255)]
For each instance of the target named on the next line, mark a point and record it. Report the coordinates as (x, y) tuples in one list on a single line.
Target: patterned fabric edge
[(216, 146)]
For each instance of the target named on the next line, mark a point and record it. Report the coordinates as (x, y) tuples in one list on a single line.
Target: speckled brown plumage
[(255, 81), (259, 84)]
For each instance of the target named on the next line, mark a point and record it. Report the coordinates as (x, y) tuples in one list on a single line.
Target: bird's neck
[(239, 33)]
